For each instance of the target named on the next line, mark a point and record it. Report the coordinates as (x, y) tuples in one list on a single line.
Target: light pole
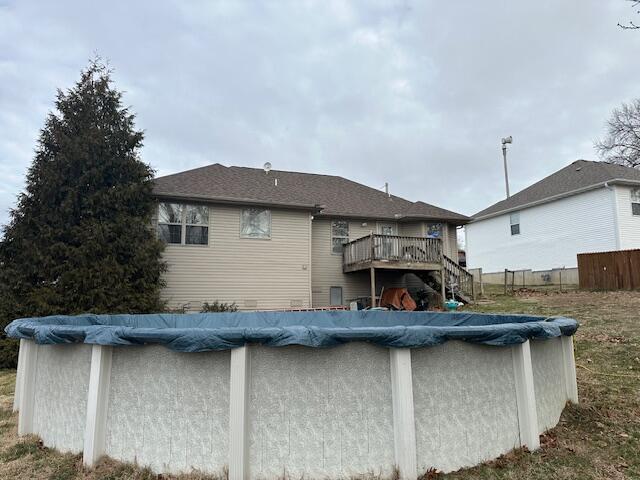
[(506, 140)]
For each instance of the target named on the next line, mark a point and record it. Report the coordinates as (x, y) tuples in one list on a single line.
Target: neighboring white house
[(585, 207)]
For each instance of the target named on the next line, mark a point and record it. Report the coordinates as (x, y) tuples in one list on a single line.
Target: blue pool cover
[(221, 331)]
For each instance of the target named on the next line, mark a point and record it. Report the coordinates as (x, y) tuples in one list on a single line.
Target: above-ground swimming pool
[(314, 394)]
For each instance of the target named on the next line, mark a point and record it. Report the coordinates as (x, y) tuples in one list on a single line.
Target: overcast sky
[(414, 93)]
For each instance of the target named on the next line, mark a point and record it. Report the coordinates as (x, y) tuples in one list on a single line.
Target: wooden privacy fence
[(619, 270)]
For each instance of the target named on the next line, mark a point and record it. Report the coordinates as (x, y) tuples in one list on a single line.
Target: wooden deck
[(410, 254), (392, 252)]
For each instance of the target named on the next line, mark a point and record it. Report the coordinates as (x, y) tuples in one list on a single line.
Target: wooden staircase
[(458, 281)]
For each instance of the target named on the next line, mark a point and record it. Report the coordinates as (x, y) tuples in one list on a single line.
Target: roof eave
[(237, 201), (553, 198), (396, 218)]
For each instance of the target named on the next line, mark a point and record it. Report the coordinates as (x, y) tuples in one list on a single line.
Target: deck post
[(27, 387), (95, 432), (525, 396), (404, 429), (569, 368), (239, 414), (373, 286)]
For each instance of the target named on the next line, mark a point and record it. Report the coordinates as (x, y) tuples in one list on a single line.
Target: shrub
[(218, 307)]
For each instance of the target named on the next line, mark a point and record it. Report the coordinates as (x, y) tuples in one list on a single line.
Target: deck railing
[(392, 248), (460, 277)]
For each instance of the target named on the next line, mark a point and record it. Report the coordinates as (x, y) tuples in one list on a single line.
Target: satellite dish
[(267, 167)]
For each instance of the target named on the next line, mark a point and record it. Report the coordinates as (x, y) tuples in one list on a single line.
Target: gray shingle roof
[(579, 176), (331, 195)]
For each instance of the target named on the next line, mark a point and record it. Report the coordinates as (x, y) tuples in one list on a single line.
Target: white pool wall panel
[(320, 413), (60, 400), (169, 410), (549, 380), (465, 404), (309, 412)]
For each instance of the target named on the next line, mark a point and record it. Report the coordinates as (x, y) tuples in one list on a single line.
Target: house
[(278, 240), (585, 207)]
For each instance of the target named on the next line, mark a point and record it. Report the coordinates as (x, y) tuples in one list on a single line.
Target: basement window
[(635, 201), (339, 236), (514, 220), (180, 224)]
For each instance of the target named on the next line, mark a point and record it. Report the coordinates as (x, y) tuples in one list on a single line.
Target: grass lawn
[(599, 439)]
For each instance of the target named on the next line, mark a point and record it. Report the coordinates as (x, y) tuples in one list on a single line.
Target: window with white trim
[(196, 225), (514, 220), (335, 296), (339, 236), (255, 223), (635, 201), (180, 224)]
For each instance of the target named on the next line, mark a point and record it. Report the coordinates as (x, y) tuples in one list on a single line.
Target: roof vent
[(267, 167), (578, 169)]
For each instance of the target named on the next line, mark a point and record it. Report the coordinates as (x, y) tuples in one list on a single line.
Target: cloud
[(417, 94)]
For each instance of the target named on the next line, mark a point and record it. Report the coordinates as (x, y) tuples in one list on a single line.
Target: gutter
[(400, 219), (237, 201), (615, 181)]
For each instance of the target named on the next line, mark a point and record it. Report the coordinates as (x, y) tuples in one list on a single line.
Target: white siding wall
[(628, 224), (256, 274), (551, 235)]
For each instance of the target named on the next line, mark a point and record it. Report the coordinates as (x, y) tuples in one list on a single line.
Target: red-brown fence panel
[(619, 270)]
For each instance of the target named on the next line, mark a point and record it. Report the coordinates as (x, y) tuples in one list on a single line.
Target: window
[(339, 236), (255, 223), (170, 222), (335, 296), (635, 201), (197, 225), (183, 224), (514, 220), (434, 230)]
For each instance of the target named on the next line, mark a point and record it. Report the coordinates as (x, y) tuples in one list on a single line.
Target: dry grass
[(598, 439)]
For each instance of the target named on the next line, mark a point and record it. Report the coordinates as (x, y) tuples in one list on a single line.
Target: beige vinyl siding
[(326, 268), (413, 229), (450, 241), (255, 273), (449, 236)]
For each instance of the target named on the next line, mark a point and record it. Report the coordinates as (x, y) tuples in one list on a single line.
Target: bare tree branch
[(631, 25), (622, 143)]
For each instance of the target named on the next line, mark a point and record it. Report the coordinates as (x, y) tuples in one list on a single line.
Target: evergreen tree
[(80, 237)]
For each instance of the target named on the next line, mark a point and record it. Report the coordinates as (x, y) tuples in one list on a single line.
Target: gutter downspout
[(616, 222), (310, 260)]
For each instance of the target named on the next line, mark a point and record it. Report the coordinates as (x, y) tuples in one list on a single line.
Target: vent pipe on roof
[(386, 188)]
